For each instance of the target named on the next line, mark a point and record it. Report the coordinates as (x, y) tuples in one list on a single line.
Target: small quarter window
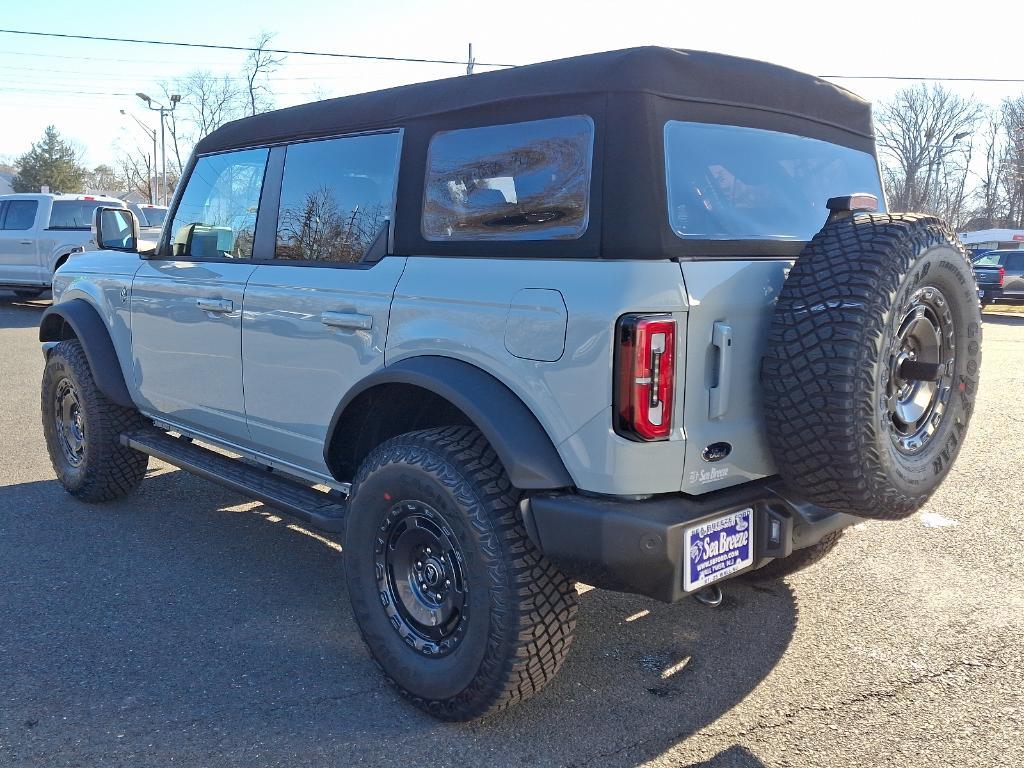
[(216, 217), (523, 181), (336, 197)]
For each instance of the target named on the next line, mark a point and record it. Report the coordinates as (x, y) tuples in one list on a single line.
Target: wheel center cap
[(432, 573)]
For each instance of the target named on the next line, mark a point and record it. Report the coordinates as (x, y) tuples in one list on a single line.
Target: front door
[(187, 302), (19, 257), (316, 319)]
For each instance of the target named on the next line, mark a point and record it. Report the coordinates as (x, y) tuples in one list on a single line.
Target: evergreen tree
[(51, 162)]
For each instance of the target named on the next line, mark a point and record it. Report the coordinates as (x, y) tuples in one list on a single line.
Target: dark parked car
[(1000, 276)]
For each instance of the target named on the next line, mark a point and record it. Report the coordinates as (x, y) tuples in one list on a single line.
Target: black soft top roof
[(689, 76)]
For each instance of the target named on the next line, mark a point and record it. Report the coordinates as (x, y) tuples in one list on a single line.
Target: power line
[(936, 79), (414, 60), (247, 49)]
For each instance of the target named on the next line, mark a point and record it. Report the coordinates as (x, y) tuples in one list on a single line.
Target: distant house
[(6, 181)]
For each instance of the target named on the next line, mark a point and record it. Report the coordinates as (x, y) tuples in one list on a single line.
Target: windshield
[(732, 183), (76, 214)]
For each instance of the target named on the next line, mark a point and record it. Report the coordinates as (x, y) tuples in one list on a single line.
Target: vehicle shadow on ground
[(990, 318), (187, 623), (21, 313)]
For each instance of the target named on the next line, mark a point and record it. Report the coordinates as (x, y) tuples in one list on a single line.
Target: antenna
[(470, 61)]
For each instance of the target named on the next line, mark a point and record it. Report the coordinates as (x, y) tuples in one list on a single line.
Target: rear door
[(19, 249), (1014, 285), (187, 302), (316, 318)]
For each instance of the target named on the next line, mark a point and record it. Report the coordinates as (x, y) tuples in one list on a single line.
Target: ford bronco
[(636, 319)]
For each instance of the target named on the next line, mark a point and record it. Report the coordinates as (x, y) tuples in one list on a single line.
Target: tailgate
[(731, 304)]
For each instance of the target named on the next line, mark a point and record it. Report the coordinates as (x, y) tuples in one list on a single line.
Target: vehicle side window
[(523, 181), (76, 214), (1015, 262), (21, 214), (216, 216), (336, 197)]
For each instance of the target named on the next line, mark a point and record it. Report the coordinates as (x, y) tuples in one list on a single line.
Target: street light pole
[(163, 142), (150, 132)]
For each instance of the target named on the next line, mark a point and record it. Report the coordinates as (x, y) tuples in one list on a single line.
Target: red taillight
[(88, 197), (646, 372), (1002, 276)]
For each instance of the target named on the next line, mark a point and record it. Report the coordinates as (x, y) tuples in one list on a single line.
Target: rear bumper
[(637, 546), (989, 292)]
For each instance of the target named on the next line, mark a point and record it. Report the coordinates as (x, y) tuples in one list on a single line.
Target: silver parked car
[(638, 319), (38, 232)]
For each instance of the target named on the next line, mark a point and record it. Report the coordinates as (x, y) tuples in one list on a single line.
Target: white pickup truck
[(38, 232)]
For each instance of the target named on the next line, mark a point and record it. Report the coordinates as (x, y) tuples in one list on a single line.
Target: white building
[(990, 239)]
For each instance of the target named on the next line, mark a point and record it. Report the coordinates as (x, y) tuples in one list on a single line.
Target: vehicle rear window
[(988, 260), (523, 181), (732, 183), (76, 214), (21, 214), (154, 216)]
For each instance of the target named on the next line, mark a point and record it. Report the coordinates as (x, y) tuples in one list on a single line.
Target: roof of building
[(693, 76)]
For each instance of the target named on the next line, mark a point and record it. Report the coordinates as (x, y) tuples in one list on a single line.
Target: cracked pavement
[(188, 626)]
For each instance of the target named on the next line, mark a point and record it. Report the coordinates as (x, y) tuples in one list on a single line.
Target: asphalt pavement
[(188, 626)]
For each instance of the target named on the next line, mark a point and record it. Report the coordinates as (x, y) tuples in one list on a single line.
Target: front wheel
[(455, 604), (83, 429)]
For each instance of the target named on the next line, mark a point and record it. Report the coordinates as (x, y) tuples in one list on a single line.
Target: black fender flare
[(523, 446), (94, 337)]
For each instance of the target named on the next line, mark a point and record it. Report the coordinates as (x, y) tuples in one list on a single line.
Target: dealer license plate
[(718, 548)]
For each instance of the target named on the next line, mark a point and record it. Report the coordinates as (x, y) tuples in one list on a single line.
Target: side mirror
[(117, 229)]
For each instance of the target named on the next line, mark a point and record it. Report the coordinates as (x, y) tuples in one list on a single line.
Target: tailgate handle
[(721, 340), (352, 320)]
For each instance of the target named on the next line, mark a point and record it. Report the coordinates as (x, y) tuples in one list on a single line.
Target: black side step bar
[(319, 509)]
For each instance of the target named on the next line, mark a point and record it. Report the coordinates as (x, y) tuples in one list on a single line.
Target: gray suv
[(636, 319)]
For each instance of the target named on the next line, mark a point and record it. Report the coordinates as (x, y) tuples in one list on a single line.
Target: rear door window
[(76, 214), (522, 181), (216, 216), (336, 197), (1015, 262), (20, 215), (732, 183)]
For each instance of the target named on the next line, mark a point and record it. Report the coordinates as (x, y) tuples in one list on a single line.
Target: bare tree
[(136, 171), (924, 137), (990, 211), (1012, 175), (258, 66)]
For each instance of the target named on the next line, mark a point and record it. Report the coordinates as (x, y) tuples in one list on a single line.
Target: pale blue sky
[(76, 84)]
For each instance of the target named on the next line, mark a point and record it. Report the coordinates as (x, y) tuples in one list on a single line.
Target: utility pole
[(470, 61), (149, 131), (163, 141)]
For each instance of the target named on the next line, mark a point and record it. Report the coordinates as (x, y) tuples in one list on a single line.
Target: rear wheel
[(872, 364), (33, 293), (460, 611), (83, 428)]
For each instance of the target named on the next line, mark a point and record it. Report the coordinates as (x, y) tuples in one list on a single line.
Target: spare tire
[(871, 367)]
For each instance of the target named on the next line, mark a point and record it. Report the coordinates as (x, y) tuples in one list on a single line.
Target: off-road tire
[(107, 469), (802, 558), (830, 355), (521, 612)]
